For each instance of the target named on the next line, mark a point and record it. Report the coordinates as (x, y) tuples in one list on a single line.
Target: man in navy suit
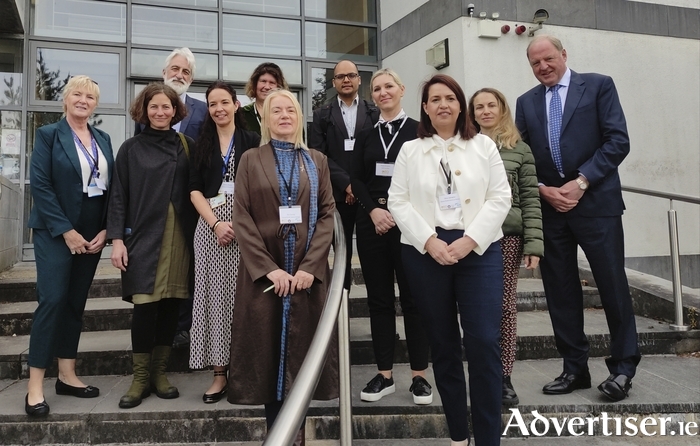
[(178, 73), (576, 129)]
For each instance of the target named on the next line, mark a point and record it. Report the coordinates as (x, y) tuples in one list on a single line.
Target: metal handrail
[(674, 250), (288, 422)]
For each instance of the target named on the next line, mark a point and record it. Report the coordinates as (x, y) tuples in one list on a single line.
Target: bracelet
[(213, 228)]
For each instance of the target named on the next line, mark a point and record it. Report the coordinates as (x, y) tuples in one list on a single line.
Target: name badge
[(217, 201), (449, 201), (94, 191), (349, 145), (290, 214), (227, 187), (99, 182), (384, 169)]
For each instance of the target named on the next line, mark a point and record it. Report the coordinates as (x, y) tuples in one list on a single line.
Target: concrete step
[(111, 313), (663, 386), (109, 352)]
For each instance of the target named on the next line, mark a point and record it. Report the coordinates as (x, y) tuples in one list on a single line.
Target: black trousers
[(347, 215), (602, 240), (380, 258), (474, 286)]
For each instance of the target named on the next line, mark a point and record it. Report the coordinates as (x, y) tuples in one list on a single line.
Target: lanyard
[(448, 177), (226, 158), (381, 138), (94, 159), (287, 186), (257, 116)]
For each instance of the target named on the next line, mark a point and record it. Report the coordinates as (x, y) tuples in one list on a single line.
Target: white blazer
[(478, 176)]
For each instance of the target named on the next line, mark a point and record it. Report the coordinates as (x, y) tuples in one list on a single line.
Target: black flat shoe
[(79, 392), (567, 383), (38, 410), (210, 398), (616, 387)]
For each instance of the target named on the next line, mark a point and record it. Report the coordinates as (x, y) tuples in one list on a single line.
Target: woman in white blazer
[(449, 196)]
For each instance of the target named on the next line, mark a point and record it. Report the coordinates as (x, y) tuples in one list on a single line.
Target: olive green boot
[(140, 386), (159, 382)]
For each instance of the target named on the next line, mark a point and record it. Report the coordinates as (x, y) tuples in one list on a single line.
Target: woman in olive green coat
[(522, 229)]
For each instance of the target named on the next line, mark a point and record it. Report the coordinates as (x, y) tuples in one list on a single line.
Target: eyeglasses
[(351, 76)]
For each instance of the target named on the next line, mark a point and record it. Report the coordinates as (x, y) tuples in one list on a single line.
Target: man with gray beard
[(178, 73)]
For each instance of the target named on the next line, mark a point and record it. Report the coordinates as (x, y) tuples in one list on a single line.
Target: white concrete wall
[(680, 3), (392, 10), (657, 80)]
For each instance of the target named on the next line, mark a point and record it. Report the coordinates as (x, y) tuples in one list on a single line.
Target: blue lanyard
[(227, 158), (93, 160)]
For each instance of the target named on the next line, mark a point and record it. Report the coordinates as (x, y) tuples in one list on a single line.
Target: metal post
[(344, 371), (676, 271)]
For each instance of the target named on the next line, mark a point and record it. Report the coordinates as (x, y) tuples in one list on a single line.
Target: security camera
[(470, 9), (541, 16)]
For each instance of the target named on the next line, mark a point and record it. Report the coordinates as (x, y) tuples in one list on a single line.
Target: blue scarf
[(286, 161)]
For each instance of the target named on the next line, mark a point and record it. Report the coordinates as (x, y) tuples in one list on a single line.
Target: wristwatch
[(582, 184)]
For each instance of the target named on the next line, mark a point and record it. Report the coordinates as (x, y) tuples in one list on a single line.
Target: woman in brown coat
[(283, 217)]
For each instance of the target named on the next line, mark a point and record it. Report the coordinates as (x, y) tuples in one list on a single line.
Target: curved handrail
[(288, 422)]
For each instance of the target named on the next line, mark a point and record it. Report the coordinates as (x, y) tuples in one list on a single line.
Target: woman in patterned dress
[(522, 230), (219, 148)]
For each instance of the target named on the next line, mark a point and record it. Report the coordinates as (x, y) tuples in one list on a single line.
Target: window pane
[(322, 89), (351, 10), (10, 72), (174, 27), (289, 7), (204, 3), (248, 34), (10, 143), (54, 67), (151, 62), (239, 69), (337, 42), (80, 19)]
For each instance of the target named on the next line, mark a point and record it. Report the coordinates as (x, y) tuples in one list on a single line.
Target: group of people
[(239, 219)]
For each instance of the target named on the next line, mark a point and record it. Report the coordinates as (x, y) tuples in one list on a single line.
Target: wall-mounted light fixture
[(541, 16), (438, 56)]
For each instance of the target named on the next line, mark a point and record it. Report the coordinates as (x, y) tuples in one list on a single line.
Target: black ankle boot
[(510, 398)]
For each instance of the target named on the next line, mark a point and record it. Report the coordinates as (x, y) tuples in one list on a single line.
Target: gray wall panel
[(400, 34), (683, 23), (580, 14), (632, 17)]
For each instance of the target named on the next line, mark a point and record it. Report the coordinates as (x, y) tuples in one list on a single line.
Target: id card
[(349, 145), (384, 169), (217, 201), (449, 201), (94, 191), (226, 187), (99, 182), (290, 214)]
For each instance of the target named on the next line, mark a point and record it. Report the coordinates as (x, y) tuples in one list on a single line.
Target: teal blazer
[(55, 175)]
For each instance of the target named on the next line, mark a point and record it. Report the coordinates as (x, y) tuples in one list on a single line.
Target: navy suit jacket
[(196, 112), (328, 135), (593, 141), (56, 177)]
